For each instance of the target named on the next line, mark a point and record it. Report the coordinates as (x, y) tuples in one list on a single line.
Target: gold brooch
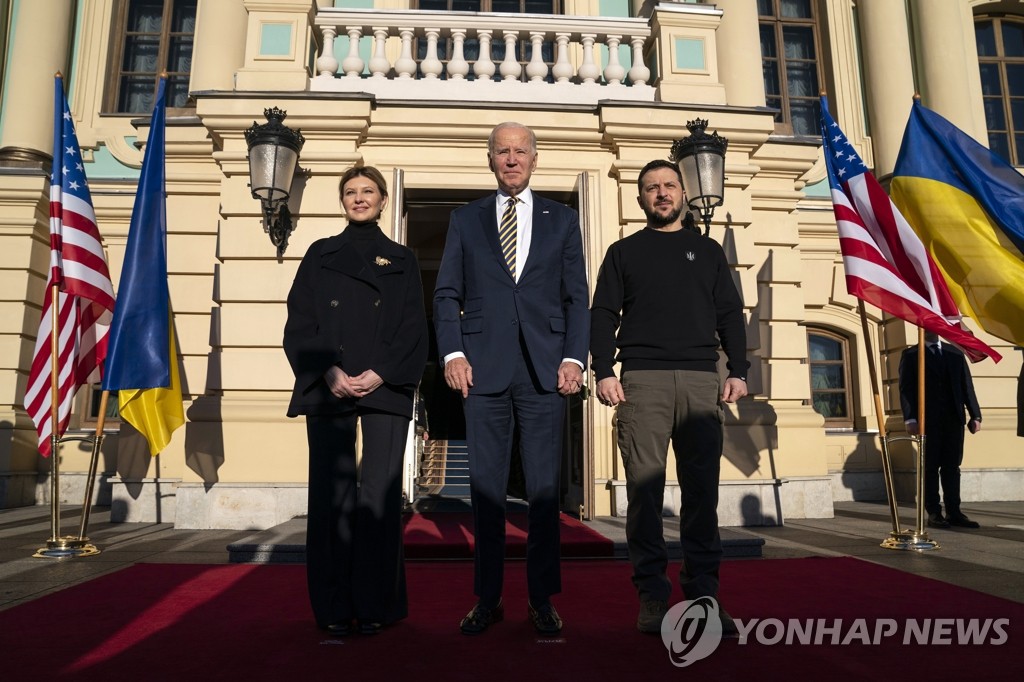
[(380, 260)]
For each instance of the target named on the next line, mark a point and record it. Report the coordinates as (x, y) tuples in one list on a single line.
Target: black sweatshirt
[(674, 291)]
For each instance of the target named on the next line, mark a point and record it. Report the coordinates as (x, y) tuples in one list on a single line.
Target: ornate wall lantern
[(701, 159), (273, 156)]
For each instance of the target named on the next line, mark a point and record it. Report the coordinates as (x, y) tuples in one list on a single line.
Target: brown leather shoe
[(480, 618)]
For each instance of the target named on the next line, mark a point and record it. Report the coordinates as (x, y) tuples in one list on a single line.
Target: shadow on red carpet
[(159, 622)]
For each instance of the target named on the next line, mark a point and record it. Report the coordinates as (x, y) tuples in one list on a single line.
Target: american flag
[(886, 264), (85, 302)]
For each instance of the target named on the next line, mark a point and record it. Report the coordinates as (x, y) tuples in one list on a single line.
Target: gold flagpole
[(58, 547), (97, 441), (916, 540)]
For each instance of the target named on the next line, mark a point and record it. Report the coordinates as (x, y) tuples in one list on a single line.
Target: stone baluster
[(431, 66), (589, 70), (326, 64), (458, 67), (562, 70), (537, 70), (353, 64), (483, 69), (405, 67), (639, 74), (614, 72), (510, 68), (379, 64)]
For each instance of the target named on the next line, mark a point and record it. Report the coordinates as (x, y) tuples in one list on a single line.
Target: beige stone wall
[(228, 287)]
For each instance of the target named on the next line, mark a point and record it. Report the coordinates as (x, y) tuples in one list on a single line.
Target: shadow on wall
[(204, 427), (752, 513)]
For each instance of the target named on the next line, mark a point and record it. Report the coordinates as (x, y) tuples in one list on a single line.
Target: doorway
[(442, 470)]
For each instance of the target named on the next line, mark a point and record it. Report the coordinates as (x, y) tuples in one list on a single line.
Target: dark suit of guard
[(514, 335), (948, 392), (357, 313)]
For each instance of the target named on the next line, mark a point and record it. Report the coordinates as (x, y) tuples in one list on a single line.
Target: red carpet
[(190, 622), (449, 535)]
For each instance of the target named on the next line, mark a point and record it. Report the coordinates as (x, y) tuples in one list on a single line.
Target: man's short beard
[(655, 220)]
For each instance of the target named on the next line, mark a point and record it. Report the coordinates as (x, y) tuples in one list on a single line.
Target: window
[(88, 408), (1001, 59), (789, 54), (829, 358), (471, 47), (152, 36)]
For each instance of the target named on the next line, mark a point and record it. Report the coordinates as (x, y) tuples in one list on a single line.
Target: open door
[(578, 462)]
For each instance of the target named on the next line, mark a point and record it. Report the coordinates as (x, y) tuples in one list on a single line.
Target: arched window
[(789, 55), (1001, 60), (831, 395)]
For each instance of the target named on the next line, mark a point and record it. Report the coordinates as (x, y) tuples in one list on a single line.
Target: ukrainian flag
[(142, 360), (967, 206)]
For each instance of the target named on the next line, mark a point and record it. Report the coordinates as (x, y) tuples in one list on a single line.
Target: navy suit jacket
[(948, 388), (481, 310)]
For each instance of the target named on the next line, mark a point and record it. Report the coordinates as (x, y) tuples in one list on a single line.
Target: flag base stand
[(66, 547), (910, 541)]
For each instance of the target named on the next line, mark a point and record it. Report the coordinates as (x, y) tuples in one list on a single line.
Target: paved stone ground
[(989, 560)]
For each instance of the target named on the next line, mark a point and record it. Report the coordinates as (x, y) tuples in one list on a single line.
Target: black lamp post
[(701, 159), (273, 156)]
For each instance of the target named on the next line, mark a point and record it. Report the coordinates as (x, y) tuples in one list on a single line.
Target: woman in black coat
[(356, 338)]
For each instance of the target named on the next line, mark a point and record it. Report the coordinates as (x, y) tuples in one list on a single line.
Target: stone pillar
[(742, 76), (40, 33), (276, 45), (684, 39), (888, 77), (219, 44), (948, 64)]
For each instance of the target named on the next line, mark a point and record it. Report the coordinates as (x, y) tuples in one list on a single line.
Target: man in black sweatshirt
[(666, 299)]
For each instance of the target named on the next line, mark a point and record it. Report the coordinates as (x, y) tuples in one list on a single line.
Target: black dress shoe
[(480, 618), (935, 520), (545, 619), (961, 521), (370, 627), (339, 629)]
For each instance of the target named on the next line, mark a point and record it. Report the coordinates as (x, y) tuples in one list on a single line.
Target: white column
[(737, 40), (219, 44), (405, 67), (379, 64), (537, 70), (510, 69), (458, 67), (483, 69), (39, 48), (589, 71), (353, 64), (327, 63), (947, 58), (431, 66), (639, 74), (614, 72), (888, 76), (562, 70)]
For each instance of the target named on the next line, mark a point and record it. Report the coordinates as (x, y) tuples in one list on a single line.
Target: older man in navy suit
[(512, 321)]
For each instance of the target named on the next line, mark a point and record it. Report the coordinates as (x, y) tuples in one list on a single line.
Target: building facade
[(413, 87)]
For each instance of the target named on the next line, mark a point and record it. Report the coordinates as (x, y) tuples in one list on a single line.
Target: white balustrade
[(575, 43)]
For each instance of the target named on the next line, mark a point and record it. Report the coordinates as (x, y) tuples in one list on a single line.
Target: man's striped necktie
[(507, 234)]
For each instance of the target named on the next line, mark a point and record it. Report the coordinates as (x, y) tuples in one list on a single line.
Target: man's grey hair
[(511, 125)]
